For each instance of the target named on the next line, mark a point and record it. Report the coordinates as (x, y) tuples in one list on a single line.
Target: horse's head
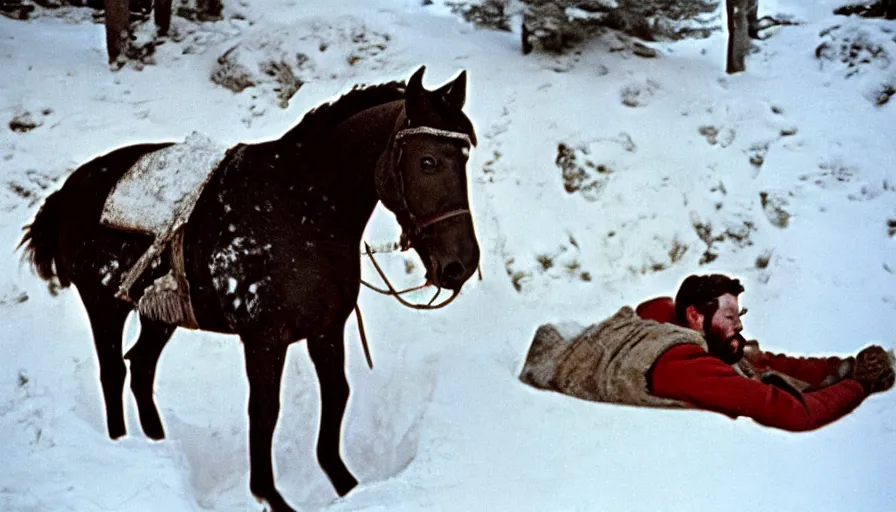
[(422, 179)]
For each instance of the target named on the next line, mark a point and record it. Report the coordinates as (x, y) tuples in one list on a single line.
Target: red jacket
[(690, 374)]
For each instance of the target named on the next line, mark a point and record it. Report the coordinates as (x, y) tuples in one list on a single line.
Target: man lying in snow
[(689, 353)]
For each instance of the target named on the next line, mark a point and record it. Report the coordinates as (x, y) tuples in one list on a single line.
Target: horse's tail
[(41, 240)]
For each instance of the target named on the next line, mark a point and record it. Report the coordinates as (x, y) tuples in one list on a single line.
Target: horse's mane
[(325, 117)]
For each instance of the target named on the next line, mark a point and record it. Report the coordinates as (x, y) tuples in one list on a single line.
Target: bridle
[(412, 228), (416, 228)]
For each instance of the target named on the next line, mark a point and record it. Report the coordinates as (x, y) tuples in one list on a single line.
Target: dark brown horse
[(271, 250)]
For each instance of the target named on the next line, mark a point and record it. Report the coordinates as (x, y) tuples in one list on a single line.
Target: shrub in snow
[(864, 51), (729, 233), (665, 19), (560, 262), (716, 135), (587, 167), (11, 295), (485, 13), (638, 94), (856, 47), (24, 122), (774, 204), (198, 10), (580, 174), (557, 25), (280, 60)]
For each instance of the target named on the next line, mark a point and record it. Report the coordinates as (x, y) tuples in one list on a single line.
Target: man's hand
[(874, 369), (884, 383)]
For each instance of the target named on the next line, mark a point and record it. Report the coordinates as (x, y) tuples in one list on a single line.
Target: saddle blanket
[(162, 188)]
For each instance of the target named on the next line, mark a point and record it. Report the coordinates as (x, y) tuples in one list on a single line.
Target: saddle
[(156, 196)]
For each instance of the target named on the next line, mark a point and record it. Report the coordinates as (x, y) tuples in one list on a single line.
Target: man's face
[(723, 329)]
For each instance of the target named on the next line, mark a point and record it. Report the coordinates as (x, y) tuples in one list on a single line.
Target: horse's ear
[(455, 93), (414, 95), (415, 84)]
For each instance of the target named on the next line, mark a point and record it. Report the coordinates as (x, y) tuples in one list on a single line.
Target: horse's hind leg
[(328, 355), (144, 356), (107, 315)]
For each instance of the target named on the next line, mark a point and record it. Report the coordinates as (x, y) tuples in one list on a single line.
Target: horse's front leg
[(265, 356), (328, 355)]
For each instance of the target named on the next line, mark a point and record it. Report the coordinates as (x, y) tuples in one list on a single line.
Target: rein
[(397, 294)]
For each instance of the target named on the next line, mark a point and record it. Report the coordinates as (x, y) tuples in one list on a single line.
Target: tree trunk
[(753, 18), (890, 9), (118, 17), (162, 13), (738, 35)]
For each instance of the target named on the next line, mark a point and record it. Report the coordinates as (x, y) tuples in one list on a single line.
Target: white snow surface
[(442, 423)]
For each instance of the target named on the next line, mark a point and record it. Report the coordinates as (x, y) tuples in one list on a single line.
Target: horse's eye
[(427, 163)]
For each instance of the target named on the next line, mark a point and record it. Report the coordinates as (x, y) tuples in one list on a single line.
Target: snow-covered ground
[(782, 176)]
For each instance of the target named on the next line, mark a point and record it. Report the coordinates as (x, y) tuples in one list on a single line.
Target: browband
[(426, 130)]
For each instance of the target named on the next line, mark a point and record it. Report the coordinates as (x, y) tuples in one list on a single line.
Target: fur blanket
[(606, 362), (162, 188)]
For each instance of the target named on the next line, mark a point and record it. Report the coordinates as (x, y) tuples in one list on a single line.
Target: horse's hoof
[(155, 435), (116, 432), (273, 502), (346, 486)]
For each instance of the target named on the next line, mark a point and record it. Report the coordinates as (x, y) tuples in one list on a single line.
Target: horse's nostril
[(452, 272)]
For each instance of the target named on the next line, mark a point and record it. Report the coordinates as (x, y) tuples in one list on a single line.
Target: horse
[(271, 250)]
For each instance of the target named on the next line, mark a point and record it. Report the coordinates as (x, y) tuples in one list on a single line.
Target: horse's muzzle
[(452, 275), (452, 270), (450, 249)]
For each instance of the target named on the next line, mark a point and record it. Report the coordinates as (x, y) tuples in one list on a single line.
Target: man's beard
[(729, 350)]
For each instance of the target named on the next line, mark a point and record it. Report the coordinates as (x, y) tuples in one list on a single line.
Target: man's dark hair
[(703, 292)]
